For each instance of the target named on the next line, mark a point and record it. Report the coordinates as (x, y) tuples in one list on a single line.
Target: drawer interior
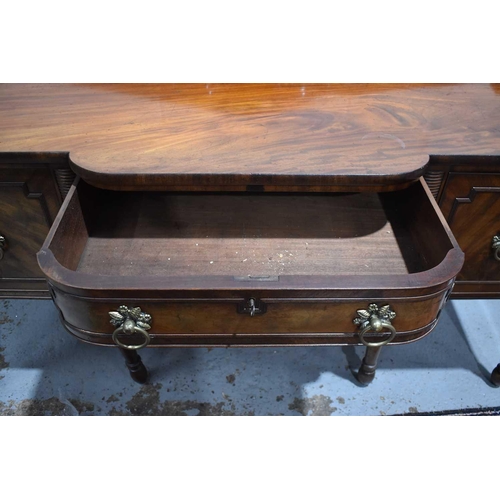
[(117, 233)]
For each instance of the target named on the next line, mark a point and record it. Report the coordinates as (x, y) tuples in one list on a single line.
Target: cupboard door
[(29, 201), (471, 203)]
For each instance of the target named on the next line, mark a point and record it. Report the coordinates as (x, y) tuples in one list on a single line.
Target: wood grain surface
[(357, 137), (248, 234)]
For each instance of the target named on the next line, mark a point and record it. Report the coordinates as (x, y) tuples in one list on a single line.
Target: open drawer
[(249, 268)]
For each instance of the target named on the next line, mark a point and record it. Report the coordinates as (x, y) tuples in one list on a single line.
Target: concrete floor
[(44, 370)]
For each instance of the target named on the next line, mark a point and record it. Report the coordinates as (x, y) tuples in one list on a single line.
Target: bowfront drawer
[(230, 322), (249, 268)]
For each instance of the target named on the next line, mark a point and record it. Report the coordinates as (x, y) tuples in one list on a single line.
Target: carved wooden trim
[(474, 191), (64, 179), (435, 180)]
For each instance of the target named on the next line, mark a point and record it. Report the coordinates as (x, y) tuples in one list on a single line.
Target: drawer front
[(216, 322), (471, 203), (29, 201)]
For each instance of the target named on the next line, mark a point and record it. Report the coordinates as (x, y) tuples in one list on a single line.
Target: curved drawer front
[(194, 261), (229, 322)]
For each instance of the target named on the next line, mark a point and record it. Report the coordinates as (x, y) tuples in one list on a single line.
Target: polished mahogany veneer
[(347, 137)]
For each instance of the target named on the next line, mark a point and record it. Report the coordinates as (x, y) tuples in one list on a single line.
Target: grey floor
[(46, 371)]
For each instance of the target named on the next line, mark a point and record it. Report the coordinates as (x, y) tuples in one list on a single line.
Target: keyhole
[(252, 306)]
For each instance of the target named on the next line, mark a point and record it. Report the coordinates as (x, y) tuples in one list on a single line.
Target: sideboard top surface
[(150, 136)]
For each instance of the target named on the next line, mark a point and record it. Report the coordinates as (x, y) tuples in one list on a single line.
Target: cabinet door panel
[(29, 201), (472, 206)]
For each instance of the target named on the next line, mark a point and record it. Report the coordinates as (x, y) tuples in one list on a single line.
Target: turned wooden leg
[(138, 371), (495, 376), (366, 372)]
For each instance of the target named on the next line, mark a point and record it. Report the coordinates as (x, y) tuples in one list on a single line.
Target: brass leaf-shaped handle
[(375, 318), (128, 321)]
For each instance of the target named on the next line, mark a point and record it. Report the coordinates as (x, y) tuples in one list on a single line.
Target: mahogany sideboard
[(249, 215)]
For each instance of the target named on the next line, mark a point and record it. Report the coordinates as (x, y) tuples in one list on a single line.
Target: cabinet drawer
[(193, 260), (471, 203)]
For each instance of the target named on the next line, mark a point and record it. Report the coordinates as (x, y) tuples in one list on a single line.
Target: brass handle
[(131, 320), (3, 246), (495, 245), (375, 318), (383, 324), (135, 329)]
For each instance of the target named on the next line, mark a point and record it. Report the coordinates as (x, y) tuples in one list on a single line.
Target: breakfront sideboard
[(249, 215)]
